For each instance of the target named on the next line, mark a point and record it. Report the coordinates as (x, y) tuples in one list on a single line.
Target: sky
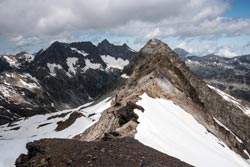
[(199, 26)]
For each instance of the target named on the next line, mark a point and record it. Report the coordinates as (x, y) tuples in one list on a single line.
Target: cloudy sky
[(199, 26)]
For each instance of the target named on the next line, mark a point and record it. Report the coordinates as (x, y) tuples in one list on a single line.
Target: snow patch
[(28, 85), (89, 64), (166, 127), (28, 57), (114, 63), (71, 62), (124, 76), (80, 52), (52, 68), (12, 61)]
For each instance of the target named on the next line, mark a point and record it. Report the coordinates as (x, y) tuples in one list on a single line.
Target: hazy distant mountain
[(227, 74)]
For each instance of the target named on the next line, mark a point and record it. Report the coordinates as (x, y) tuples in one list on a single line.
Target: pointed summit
[(105, 41), (155, 45), (117, 51)]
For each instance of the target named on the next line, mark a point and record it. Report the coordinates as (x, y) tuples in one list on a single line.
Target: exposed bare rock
[(72, 118), (125, 152), (117, 121)]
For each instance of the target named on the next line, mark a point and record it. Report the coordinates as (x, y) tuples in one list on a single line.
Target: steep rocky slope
[(158, 71)]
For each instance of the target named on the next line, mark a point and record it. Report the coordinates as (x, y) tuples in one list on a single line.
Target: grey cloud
[(145, 18)]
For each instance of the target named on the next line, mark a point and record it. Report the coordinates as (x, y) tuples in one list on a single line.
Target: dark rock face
[(81, 85), (119, 152), (64, 76), (123, 51), (4, 65)]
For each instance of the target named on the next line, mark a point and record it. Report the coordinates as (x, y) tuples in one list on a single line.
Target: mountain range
[(60, 77), (155, 107), (230, 75)]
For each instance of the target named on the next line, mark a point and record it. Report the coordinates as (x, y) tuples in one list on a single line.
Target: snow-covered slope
[(169, 129), (12, 142)]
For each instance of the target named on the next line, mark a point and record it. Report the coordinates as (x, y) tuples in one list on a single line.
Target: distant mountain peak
[(105, 41), (117, 51), (181, 52)]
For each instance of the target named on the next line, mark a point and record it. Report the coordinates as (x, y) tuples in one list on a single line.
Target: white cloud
[(154, 34), (184, 46), (145, 18), (225, 52), (21, 41)]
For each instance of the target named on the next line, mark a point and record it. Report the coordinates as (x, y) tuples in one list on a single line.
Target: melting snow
[(124, 76), (80, 52), (29, 58), (169, 129), (71, 62), (12, 142), (114, 63), (12, 61), (28, 85), (91, 65), (52, 68)]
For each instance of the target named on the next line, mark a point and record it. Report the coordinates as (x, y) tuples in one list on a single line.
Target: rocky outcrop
[(119, 152), (61, 125), (116, 122)]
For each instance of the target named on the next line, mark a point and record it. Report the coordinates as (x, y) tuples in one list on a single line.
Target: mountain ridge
[(78, 68), (159, 72), (163, 105)]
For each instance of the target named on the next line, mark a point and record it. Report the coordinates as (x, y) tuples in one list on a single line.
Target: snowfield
[(12, 142), (166, 127), (113, 62)]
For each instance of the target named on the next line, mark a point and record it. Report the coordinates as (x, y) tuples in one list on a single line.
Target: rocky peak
[(56, 46), (105, 42), (159, 72), (117, 51), (154, 46)]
